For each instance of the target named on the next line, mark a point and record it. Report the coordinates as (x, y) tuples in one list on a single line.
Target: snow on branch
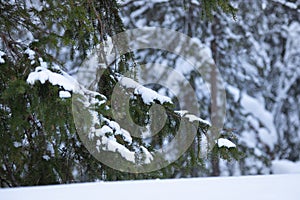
[(42, 75), (222, 142), (104, 136), (1, 59), (287, 4), (193, 118), (147, 94), (105, 133)]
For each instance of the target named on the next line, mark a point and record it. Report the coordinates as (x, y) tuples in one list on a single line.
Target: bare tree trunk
[(214, 97)]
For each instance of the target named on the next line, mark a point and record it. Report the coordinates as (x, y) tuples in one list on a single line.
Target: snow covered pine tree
[(43, 43)]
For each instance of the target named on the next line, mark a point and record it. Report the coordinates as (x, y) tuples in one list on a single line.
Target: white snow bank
[(285, 167), (272, 187)]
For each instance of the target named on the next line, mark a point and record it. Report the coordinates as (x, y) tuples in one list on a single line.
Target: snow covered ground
[(271, 187), (285, 167)]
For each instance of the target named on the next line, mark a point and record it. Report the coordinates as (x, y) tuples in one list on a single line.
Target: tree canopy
[(42, 41)]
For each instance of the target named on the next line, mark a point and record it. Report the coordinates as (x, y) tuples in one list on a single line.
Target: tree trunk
[(214, 97)]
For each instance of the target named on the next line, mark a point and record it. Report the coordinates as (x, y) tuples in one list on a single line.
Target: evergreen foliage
[(39, 143)]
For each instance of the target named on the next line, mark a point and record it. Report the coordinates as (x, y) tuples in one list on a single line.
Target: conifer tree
[(39, 143)]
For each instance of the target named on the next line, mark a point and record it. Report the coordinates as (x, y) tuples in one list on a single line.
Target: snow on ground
[(285, 167), (272, 187)]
